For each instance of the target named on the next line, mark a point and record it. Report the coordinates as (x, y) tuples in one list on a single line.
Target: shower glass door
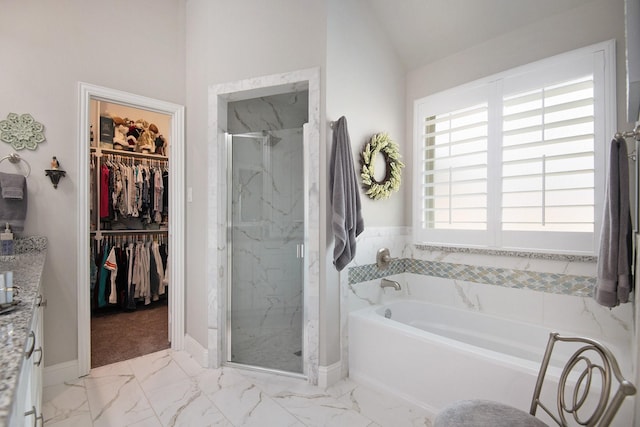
[(266, 211)]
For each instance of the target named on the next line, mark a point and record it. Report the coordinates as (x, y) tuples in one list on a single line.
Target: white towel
[(346, 217), (614, 280)]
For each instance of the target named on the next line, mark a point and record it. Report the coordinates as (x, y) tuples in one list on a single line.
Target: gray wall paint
[(365, 83), (47, 48), (275, 37)]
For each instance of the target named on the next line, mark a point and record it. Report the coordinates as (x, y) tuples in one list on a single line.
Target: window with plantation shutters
[(517, 160), (548, 176), (455, 169)]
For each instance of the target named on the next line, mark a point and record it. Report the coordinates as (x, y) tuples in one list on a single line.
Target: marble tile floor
[(169, 388)]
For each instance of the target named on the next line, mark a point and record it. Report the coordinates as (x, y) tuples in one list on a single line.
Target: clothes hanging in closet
[(105, 176), (102, 278), (128, 272), (133, 192)]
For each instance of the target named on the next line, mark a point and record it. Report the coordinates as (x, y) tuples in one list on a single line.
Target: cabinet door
[(24, 410), (22, 399), (28, 405), (37, 359)]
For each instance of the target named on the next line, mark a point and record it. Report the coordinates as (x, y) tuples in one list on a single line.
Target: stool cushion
[(484, 413)]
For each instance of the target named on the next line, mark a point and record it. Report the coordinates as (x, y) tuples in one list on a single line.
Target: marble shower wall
[(275, 112), (268, 203), (268, 226)]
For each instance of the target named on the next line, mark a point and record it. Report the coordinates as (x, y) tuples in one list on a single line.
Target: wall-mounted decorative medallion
[(21, 131)]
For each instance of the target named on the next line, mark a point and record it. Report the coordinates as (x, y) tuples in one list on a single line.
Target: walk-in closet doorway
[(151, 229)]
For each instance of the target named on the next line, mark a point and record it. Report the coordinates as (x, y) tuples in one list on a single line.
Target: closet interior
[(129, 216)]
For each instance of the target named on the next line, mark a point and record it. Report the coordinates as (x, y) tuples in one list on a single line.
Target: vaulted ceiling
[(423, 31)]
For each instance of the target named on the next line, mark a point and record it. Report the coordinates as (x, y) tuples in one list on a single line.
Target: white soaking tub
[(432, 355)]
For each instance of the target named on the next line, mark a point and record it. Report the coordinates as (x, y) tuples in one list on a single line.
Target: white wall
[(228, 41), (197, 16), (47, 48), (594, 22), (365, 83)]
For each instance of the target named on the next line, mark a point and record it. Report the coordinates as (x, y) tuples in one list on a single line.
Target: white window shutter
[(548, 158), (454, 160), (516, 160)]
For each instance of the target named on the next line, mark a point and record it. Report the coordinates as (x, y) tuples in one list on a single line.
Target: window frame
[(600, 60)]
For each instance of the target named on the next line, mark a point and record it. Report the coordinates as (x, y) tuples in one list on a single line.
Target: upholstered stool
[(592, 363), (484, 413)]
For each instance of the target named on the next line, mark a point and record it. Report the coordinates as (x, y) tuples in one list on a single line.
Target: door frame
[(87, 92), (219, 97)]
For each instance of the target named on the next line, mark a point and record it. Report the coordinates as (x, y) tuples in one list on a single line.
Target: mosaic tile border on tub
[(500, 252), (565, 284), (364, 273)]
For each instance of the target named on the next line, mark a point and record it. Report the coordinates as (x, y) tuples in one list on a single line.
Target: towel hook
[(15, 159)]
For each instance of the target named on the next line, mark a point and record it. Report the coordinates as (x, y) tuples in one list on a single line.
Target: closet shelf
[(100, 234), (129, 153), (158, 230)]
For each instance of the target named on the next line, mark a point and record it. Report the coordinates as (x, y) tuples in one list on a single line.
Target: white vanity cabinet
[(21, 336), (27, 406)]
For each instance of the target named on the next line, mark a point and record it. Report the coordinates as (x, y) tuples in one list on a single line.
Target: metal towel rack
[(635, 134), (622, 136), (15, 159)]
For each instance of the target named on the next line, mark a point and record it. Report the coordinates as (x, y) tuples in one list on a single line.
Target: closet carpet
[(118, 335)]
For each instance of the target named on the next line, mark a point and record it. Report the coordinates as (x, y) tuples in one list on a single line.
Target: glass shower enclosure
[(265, 312)]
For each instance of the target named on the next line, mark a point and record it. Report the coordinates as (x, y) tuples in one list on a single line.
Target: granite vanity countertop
[(27, 265)]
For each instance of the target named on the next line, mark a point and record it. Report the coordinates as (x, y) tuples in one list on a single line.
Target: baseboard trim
[(60, 373), (329, 375), (196, 350)]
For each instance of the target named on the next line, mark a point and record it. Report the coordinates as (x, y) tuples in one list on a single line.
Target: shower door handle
[(300, 250)]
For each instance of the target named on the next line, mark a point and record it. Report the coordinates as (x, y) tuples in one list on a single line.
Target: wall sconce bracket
[(55, 175)]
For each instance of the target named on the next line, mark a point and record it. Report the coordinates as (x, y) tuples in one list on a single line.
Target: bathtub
[(432, 355)]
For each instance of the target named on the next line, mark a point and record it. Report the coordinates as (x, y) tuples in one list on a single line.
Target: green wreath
[(381, 143)]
